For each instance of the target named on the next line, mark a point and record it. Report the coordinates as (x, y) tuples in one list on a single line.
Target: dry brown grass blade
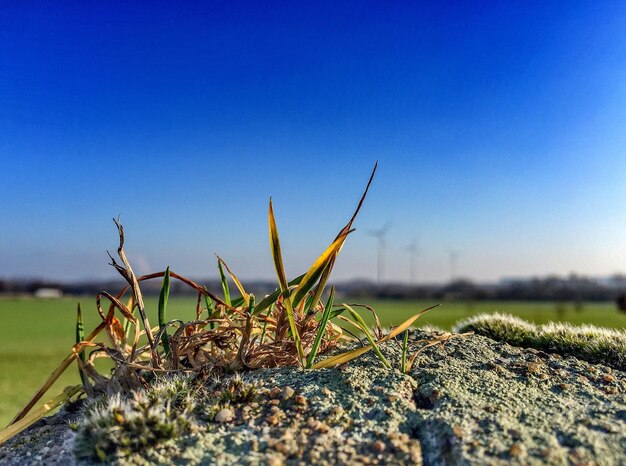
[(55, 375), (116, 303), (199, 307), (109, 319), (192, 284), (128, 274), (18, 426)]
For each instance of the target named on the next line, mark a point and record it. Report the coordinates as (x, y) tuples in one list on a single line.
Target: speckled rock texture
[(474, 401)]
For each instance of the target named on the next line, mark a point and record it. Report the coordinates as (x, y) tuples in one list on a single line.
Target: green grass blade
[(163, 297), (350, 355), (337, 312), (80, 336), (224, 282), (321, 329), (405, 344), (363, 326), (238, 302), (263, 332), (271, 298), (282, 280), (209, 309)]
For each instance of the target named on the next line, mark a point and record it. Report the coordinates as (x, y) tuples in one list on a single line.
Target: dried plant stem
[(130, 277)]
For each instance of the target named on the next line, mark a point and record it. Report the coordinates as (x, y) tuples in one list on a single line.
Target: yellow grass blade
[(282, 280), (314, 273), (341, 358), (17, 427), (276, 254), (246, 296), (325, 262)]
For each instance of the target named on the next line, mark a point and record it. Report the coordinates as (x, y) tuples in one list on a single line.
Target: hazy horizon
[(499, 130)]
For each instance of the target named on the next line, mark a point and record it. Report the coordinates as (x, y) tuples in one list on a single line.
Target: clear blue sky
[(500, 128)]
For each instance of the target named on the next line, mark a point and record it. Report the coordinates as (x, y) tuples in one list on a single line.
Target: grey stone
[(474, 401)]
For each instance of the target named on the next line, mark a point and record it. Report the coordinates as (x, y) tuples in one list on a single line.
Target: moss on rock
[(587, 342)]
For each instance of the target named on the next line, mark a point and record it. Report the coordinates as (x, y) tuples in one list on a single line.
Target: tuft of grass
[(586, 342), (289, 327)]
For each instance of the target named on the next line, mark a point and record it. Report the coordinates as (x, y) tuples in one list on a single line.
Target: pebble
[(534, 367), (515, 433), (608, 378), (489, 409), (225, 415), (545, 453), (287, 393), (378, 446), (517, 450)]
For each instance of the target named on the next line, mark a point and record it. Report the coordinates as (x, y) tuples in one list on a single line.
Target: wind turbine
[(380, 236), (413, 250)]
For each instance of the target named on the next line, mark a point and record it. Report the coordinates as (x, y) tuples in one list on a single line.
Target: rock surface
[(474, 401)]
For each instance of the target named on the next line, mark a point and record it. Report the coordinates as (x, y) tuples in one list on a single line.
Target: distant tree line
[(552, 288), (573, 288)]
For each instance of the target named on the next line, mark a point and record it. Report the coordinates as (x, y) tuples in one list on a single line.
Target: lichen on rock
[(471, 401)]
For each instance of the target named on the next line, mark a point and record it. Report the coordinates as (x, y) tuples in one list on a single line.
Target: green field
[(37, 334)]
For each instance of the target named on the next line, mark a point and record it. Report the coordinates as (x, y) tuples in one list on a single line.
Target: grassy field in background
[(36, 334)]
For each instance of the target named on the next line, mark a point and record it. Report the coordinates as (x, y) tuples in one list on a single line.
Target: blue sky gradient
[(499, 127)]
